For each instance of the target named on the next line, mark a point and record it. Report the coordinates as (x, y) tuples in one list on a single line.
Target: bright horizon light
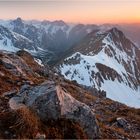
[(76, 11)]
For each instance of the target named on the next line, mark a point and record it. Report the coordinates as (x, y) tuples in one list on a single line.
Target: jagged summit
[(45, 22), (18, 22), (59, 23), (116, 33), (55, 22), (119, 37)]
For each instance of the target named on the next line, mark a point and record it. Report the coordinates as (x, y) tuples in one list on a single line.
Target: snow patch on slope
[(6, 45), (121, 93), (86, 65), (39, 61), (89, 61)]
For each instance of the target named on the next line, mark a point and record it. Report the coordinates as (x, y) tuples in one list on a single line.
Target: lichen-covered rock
[(52, 102)]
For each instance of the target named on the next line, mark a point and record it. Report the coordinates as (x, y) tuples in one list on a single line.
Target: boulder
[(52, 102), (123, 123), (10, 94)]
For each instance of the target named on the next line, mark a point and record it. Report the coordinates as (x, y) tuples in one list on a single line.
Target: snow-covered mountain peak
[(115, 31), (18, 21), (105, 60), (11, 41), (59, 23)]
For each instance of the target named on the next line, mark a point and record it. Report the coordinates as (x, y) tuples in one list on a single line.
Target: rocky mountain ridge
[(104, 59)]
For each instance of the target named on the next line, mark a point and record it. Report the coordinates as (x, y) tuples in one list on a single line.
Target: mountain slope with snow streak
[(106, 61), (11, 41)]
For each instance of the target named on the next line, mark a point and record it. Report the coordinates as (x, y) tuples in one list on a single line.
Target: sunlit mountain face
[(70, 69)]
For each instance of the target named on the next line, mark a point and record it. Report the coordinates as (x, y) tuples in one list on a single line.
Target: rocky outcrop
[(16, 70), (122, 123), (52, 102)]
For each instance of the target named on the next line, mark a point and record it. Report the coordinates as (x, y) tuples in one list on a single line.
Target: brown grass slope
[(24, 123)]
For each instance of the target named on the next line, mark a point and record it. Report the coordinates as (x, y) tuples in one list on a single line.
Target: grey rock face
[(7, 65), (123, 123), (50, 101), (10, 94)]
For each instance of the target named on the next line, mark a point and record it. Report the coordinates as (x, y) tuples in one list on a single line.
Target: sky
[(76, 11)]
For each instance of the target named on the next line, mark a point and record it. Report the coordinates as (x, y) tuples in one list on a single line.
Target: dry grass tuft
[(27, 123), (64, 129)]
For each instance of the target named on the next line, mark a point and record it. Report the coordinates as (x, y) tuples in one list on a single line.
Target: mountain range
[(59, 79), (56, 37)]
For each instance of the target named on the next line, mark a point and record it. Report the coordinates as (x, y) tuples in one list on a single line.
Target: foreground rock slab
[(52, 102)]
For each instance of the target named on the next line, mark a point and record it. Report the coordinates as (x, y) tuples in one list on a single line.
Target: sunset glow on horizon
[(91, 11)]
